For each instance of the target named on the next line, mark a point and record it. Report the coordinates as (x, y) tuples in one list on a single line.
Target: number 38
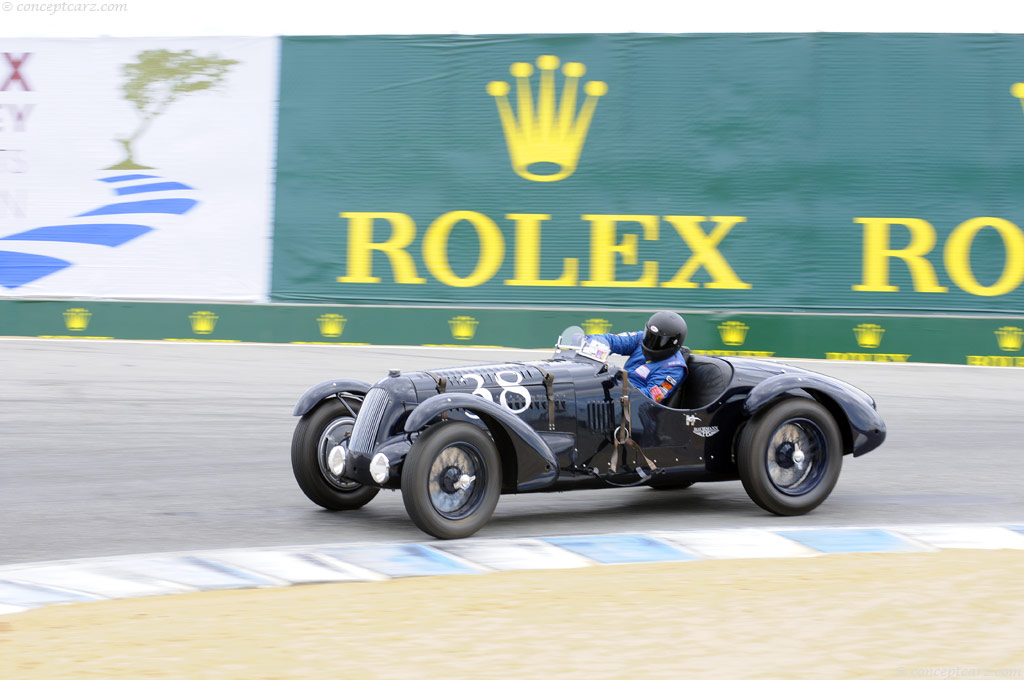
[(507, 386)]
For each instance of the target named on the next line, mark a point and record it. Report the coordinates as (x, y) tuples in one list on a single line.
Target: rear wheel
[(451, 480), (318, 432), (789, 456)]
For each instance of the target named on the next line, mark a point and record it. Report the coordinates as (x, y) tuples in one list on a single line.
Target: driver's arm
[(620, 344)]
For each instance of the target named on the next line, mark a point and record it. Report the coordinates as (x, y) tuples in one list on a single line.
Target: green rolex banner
[(805, 172)]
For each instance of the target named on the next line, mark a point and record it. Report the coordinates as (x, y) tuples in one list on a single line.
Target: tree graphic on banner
[(158, 79)]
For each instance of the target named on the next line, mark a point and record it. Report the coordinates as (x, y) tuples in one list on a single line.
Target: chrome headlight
[(380, 468), (336, 460)]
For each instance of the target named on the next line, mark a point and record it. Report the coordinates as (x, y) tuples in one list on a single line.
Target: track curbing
[(29, 586)]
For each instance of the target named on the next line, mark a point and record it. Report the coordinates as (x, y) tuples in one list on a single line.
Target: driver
[(655, 365)]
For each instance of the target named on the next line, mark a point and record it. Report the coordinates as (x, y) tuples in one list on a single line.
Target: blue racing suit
[(654, 378)]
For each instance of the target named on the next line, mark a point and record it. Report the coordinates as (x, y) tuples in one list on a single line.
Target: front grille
[(364, 434)]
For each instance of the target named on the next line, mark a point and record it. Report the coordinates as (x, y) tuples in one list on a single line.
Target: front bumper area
[(357, 466)]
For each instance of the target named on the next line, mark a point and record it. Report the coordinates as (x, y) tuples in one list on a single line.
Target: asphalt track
[(111, 448)]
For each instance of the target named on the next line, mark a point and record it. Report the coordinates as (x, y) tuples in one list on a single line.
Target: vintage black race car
[(454, 439)]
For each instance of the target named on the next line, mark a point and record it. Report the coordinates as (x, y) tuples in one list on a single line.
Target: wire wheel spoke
[(456, 482), (795, 456)]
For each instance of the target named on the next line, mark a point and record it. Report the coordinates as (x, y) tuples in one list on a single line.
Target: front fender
[(536, 465), (314, 395), (866, 428)]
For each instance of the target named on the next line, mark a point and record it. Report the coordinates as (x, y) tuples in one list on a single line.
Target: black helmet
[(664, 335)]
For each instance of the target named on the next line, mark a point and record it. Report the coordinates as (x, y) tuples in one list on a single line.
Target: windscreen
[(571, 338)]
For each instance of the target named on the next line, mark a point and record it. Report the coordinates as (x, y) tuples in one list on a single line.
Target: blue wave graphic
[(17, 269), (170, 206), (156, 186), (111, 235), (125, 178)]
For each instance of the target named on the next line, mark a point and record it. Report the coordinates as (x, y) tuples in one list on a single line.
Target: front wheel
[(319, 431), (789, 456), (451, 480)]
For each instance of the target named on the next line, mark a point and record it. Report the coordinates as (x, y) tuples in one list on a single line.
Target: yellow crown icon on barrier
[(463, 327), (869, 335), (733, 332), (77, 319), (1010, 338), (541, 136), (1017, 90), (596, 326), (203, 322), (331, 325)]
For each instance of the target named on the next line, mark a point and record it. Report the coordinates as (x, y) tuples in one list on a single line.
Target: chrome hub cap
[(795, 458), (454, 480)]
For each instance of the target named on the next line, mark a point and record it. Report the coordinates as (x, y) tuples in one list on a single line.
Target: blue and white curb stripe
[(27, 586)]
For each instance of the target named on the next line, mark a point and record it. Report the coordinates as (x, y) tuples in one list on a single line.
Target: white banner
[(137, 168)]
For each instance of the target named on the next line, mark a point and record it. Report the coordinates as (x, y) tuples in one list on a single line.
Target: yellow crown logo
[(545, 138), (596, 326), (1017, 90), (1010, 338), (77, 319), (203, 322), (869, 335), (331, 325), (463, 327), (733, 333)]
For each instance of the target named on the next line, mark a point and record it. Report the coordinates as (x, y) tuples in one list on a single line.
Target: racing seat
[(706, 379)]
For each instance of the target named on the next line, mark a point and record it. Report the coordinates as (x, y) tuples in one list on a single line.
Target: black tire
[(318, 431), (670, 486), (439, 461), (789, 456)]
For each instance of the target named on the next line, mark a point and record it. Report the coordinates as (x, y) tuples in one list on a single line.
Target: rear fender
[(862, 428), (314, 395), (522, 450)]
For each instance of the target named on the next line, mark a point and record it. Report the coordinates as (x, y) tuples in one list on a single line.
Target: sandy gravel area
[(946, 614)]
